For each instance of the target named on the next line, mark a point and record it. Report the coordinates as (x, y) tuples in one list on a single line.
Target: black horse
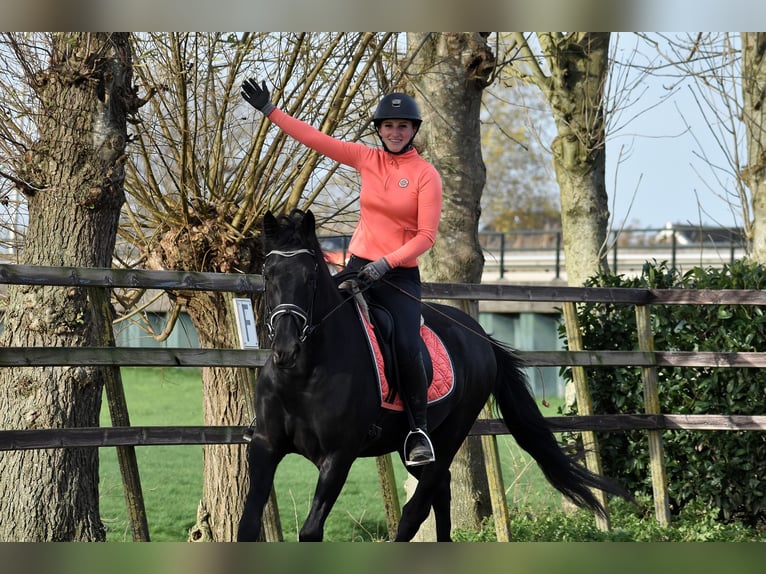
[(317, 394)]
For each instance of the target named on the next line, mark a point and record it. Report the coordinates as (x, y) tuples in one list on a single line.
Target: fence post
[(390, 494), (502, 255), (585, 407), (674, 250), (118, 412), (652, 406), (496, 485)]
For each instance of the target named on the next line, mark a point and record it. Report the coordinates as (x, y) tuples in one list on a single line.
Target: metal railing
[(541, 252)]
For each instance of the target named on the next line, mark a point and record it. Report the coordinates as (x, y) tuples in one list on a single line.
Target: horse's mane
[(293, 233)]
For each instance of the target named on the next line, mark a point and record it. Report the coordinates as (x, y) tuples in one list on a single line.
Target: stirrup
[(427, 459), (249, 431)]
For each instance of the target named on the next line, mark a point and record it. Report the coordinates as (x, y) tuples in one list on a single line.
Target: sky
[(656, 173), (662, 164)]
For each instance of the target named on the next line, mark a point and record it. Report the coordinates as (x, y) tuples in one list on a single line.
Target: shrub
[(630, 523), (724, 470)]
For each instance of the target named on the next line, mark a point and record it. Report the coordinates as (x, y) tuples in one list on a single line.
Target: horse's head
[(290, 270)]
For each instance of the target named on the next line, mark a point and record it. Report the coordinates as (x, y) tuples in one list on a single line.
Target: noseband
[(285, 309)]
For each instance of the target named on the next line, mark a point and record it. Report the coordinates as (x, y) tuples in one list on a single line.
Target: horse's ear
[(308, 224), (270, 224)]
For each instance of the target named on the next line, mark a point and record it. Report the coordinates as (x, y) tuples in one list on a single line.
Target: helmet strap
[(405, 149)]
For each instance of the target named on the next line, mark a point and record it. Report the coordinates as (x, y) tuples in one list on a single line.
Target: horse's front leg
[(262, 465), (333, 472)]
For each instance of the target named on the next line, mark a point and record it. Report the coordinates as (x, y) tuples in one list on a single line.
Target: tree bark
[(227, 393), (449, 72), (72, 178), (754, 118), (227, 400), (579, 64)]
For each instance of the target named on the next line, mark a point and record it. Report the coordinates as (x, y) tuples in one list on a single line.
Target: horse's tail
[(532, 433)]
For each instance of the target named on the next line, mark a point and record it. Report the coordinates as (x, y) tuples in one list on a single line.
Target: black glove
[(256, 96), (372, 272)]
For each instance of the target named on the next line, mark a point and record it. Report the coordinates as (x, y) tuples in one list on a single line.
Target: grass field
[(172, 485), (172, 480)]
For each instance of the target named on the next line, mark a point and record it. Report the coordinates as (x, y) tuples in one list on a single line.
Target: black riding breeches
[(399, 292)]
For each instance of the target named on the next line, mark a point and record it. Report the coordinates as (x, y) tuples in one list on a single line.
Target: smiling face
[(396, 134)]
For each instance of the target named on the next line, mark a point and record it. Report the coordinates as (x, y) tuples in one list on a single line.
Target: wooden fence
[(587, 422)]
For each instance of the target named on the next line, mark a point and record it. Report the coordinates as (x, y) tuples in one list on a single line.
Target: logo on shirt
[(404, 182)]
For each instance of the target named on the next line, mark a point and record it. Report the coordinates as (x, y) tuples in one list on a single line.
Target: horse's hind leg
[(333, 472), (442, 503), (433, 489)]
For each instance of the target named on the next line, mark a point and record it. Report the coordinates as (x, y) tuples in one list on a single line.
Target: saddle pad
[(443, 381)]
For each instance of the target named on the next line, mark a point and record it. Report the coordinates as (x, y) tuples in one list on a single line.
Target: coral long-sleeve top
[(400, 197)]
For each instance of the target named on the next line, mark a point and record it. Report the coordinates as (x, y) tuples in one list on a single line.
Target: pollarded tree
[(208, 168), (64, 136), (571, 68), (448, 73)]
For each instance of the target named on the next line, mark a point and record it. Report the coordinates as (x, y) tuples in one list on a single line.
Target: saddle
[(379, 327), (383, 327)]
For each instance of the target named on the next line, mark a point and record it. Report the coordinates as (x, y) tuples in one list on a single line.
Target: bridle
[(305, 318), (289, 309)]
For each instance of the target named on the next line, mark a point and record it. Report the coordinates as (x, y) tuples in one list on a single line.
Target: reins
[(442, 313), (305, 317)]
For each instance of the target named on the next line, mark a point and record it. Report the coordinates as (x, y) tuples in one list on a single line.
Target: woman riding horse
[(400, 205), (326, 405)]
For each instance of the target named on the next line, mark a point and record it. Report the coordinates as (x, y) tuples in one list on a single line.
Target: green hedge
[(723, 469)]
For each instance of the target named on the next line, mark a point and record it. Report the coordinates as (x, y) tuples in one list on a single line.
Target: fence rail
[(182, 280), (647, 359), (539, 253), (209, 435), (251, 358)]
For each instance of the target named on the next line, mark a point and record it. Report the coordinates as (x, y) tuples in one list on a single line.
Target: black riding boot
[(418, 449)]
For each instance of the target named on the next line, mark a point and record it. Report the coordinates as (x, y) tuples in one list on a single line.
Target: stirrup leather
[(421, 432)]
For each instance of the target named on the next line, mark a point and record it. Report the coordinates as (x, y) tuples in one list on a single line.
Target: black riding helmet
[(397, 106)]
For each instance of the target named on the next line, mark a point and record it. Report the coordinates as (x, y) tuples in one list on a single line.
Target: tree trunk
[(754, 118), (217, 168), (227, 400), (73, 180), (449, 73), (227, 393), (579, 65)]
